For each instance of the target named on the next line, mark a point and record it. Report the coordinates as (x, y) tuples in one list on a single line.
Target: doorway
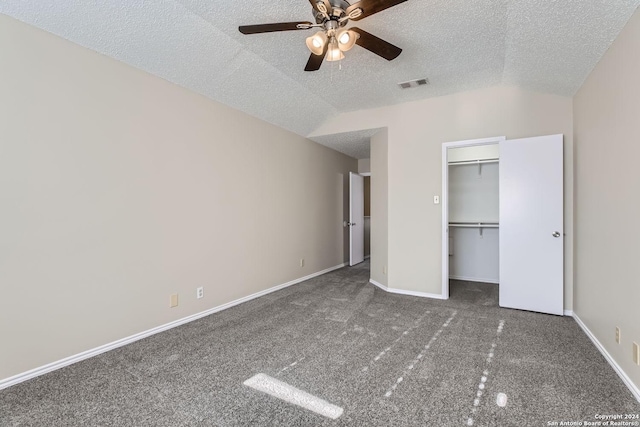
[(356, 219), (359, 217), (526, 230), (471, 218)]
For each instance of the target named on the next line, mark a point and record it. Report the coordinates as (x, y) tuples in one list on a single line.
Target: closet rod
[(475, 224), (473, 162), (479, 225)]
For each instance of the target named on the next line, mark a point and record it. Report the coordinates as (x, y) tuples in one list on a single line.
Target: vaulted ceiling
[(542, 45)]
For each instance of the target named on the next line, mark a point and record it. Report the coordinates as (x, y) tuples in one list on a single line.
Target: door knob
[(353, 223), (556, 234)]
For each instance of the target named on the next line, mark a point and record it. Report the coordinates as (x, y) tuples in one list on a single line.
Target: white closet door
[(356, 218), (531, 224)]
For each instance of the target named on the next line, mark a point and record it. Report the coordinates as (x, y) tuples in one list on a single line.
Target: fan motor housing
[(338, 6)]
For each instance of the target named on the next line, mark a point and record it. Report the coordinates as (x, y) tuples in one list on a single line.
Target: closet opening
[(505, 225), (471, 226)]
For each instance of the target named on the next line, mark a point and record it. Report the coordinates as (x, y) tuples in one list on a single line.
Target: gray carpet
[(386, 360)]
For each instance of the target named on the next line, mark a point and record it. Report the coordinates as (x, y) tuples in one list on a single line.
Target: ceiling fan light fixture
[(346, 39), (334, 53), (316, 42)]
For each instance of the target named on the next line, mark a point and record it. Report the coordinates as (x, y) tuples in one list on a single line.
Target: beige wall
[(364, 166), (119, 189), (416, 132), (379, 207), (607, 180)]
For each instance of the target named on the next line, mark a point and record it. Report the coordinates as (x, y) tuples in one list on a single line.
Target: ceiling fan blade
[(376, 45), (314, 4), (369, 7), (315, 61), (270, 28)]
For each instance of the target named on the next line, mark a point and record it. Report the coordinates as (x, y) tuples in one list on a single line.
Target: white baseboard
[(378, 284), (568, 313), (473, 279), (8, 382), (404, 292), (623, 376)]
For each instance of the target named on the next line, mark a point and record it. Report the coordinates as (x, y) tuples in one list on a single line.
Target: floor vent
[(414, 83)]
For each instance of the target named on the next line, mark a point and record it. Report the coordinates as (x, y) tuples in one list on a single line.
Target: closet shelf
[(478, 163), (479, 225), (474, 224), (473, 162)]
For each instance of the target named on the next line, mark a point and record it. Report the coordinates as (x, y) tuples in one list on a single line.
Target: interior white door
[(531, 224), (356, 218)]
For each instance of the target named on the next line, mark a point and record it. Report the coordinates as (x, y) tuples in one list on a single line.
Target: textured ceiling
[(542, 45)]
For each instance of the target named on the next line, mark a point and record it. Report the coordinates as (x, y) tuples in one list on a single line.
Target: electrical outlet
[(173, 300), (617, 334), (636, 353), (200, 292), (301, 262)]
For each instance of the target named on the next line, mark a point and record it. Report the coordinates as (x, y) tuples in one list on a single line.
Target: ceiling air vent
[(413, 83)]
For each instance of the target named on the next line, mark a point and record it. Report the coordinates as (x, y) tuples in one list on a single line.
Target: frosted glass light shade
[(334, 54), (317, 42), (346, 39)]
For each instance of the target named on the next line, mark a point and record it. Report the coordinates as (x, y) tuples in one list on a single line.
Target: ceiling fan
[(334, 38)]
